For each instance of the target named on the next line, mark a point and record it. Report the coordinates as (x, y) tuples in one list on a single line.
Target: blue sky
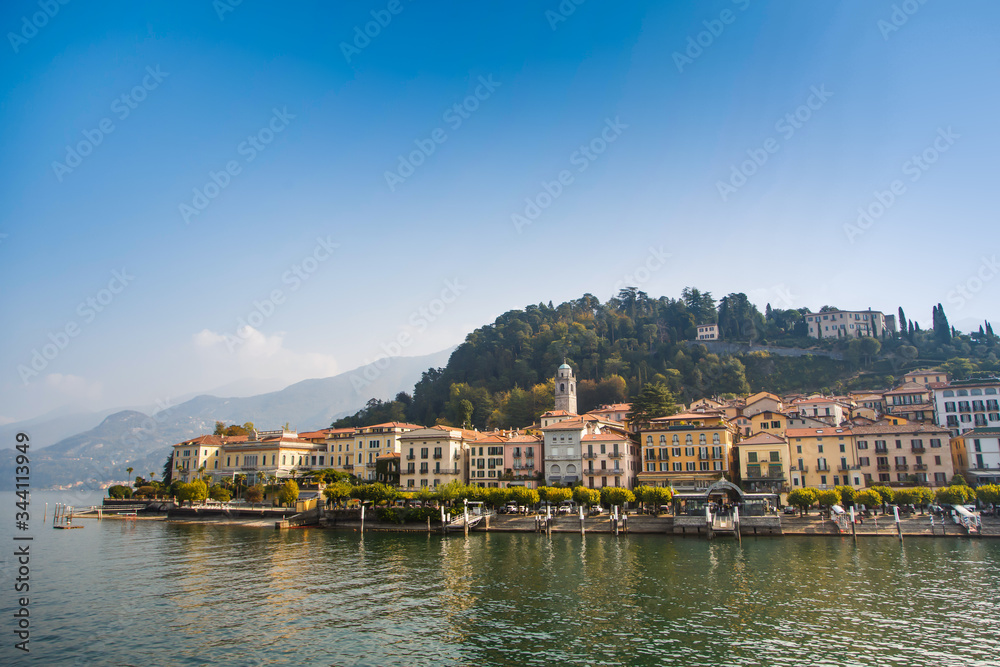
[(725, 145)]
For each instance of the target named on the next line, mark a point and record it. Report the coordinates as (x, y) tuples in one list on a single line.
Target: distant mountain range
[(130, 438)]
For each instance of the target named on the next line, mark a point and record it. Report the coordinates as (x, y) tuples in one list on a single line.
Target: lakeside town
[(929, 439)]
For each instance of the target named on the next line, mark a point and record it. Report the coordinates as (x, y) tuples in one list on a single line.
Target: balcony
[(410, 457), (917, 449), (847, 468), (882, 467), (800, 468), (822, 469), (447, 471), (437, 456), (615, 455), (920, 466), (881, 450), (902, 466), (589, 455)]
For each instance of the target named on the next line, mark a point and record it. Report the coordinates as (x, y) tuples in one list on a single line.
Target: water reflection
[(197, 594)]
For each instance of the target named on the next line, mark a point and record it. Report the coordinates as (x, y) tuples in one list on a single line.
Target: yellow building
[(688, 451), (767, 421), (823, 457), (764, 463), (340, 445), (371, 442), (270, 455), (199, 457)]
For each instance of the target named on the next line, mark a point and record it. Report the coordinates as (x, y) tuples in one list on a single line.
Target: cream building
[(371, 442), (910, 452), (434, 456), (823, 457)]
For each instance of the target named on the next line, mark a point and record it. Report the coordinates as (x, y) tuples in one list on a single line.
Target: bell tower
[(565, 389)]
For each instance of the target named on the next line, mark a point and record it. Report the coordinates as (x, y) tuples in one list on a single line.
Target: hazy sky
[(174, 173)]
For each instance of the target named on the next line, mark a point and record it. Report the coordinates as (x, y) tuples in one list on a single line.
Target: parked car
[(790, 509)]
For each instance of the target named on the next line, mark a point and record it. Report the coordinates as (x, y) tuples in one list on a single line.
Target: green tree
[(957, 494), (655, 400), (199, 491), (924, 497), (289, 493), (524, 496), (497, 497), (338, 492), (129, 471), (988, 493), (254, 494), (587, 497), (847, 494), (558, 495), (886, 493), (803, 498), (828, 497), (145, 491), (119, 491), (616, 495), (220, 493), (870, 498), (183, 492)]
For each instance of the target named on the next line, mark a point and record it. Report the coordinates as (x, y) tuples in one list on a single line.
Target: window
[(676, 451), (751, 457), (678, 466), (690, 466)]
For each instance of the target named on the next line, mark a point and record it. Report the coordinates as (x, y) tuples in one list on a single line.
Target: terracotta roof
[(565, 425), (523, 437), (810, 432), (908, 388), (912, 427), (393, 425), (763, 439), (605, 436), (388, 455), (687, 415)]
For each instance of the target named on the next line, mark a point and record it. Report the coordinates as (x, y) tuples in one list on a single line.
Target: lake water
[(155, 593)]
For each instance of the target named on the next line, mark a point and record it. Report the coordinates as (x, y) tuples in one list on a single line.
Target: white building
[(708, 332), (847, 324), (963, 405), (976, 455)]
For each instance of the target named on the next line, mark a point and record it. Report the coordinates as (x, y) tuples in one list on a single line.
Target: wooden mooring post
[(899, 528), (854, 526)]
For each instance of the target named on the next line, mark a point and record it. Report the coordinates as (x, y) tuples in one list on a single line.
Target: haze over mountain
[(141, 440)]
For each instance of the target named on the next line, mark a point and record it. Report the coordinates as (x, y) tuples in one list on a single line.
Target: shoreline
[(637, 524)]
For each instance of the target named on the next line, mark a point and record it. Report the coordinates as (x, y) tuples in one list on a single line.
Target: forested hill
[(501, 375)]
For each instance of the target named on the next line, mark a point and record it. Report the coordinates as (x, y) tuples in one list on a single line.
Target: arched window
[(688, 440), (571, 469), (649, 440), (562, 387), (949, 392), (701, 439), (282, 459), (715, 438), (663, 439), (676, 440), (556, 470)]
